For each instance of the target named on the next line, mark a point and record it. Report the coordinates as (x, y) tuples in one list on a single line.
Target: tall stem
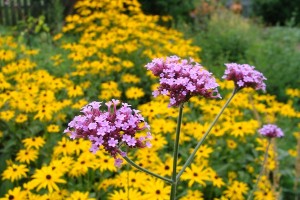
[(147, 171), (175, 154), (262, 169), (191, 157)]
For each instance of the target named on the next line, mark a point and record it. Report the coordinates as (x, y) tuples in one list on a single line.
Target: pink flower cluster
[(181, 79), (112, 129), (271, 131), (244, 75)]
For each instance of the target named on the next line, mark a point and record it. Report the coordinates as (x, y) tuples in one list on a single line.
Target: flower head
[(271, 130), (244, 75), (112, 129), (181, 79)]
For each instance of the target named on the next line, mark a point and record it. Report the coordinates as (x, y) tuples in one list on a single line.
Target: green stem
[(147, 171), (261, 171), (175, 155), (191, 157)]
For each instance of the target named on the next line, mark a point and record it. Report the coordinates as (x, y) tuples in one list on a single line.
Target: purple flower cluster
[(181, 79), (244, 75), (112, 129), (271, 130)]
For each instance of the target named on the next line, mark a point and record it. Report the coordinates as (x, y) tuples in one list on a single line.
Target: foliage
[(178, 9), (31, 27), (273, 50), (276, 12)]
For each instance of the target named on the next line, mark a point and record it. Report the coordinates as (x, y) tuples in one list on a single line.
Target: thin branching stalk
[(261, 171), (147, 171), (175, 154), (191, 157), (297, 169)]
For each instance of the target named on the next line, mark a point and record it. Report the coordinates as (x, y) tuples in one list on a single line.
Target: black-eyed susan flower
[(134, 93), (52, 128), (130, 179), (193, 194), (130, 78), (21, 118), (15, 172), (15, 194), (47, 178), (197, 174), (80, 195), (7, 115), (130, 193), (33, 142), (156, 189), (27, 155), (236, 190), (231, 144)]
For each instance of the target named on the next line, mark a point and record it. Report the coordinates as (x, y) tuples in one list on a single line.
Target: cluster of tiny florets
[(181, 79), (271, 131), (244, 75), (112, 129)]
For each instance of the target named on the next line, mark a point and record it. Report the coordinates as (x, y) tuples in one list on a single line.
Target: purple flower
[(112, 129), (244, 75), (180, 79), (271, 131), (118, 162), (112, 142)]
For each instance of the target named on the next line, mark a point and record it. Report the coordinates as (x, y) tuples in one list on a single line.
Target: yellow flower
[(130, 193), (15, 172), (134, 93), (231, 144), (21, 118), (27, 155), (15, 194), (44, 114), (7, 115), (236, 190), (134, 179), (193, 195), (156, 190), (203, 152), (52, 128), (35, 142), (75, 91), (46, 177), (293, 152), (130, 78), (79, 195), (79, 104), (264, 195), (57, 36), (64, 147), (165, 168), (198, 174)]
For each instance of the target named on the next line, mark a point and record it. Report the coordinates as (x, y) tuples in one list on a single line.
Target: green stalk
[(175, 155), (261, 171), (147, 171), (191, 157)]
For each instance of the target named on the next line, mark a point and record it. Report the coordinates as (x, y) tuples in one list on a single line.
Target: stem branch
[(191, 157), (175, 155), (262, 170), (147, 171)]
